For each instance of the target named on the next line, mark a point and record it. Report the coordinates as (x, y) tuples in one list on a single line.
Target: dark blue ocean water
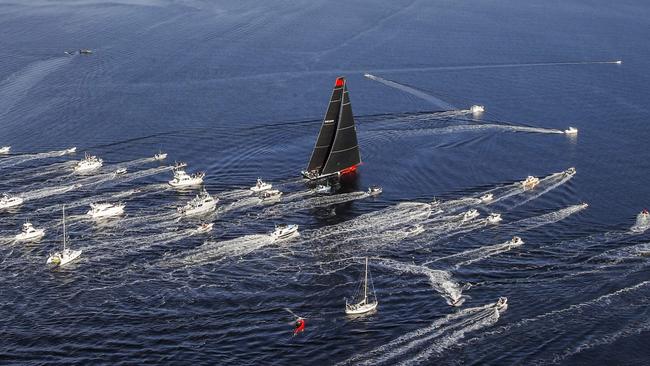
[(238, 89)]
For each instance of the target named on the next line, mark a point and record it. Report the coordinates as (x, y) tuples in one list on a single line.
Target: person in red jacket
[(299, 326)]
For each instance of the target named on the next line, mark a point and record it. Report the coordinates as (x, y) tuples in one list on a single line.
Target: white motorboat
[(5, 149), (182, 179), (8, 201), (283, 231), (515, 241), (470, 214), (204, 228), (501, 304), (120, 171), (270, 195), (160, 156), (201, 204), (571, 131), (67, 255), (530, 182), (88, 164), (85, 51), (365, 304), (323, 189), (476, 109), (375, 190), (488, 197), (260, 186), (71, 150), (30, 233), (493, 218), (104, 210), (570, 172), (618, 62)]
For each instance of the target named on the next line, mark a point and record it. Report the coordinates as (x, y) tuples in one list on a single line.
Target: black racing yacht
[(336, 151)]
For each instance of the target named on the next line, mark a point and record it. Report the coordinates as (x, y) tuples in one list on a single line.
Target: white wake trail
[(441, 281), (211, 251), (439, 335), (418, 93)]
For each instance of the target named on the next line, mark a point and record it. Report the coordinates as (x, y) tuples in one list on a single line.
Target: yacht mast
[(64, 236), (365, 284)]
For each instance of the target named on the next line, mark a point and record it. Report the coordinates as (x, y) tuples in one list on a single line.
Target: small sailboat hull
[(359, 309)]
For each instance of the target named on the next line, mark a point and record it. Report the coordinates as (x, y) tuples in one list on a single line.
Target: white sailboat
[(67, 255), (363, 306)]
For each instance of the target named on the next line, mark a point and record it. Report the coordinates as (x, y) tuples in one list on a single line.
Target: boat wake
[(19, 159), (211, 251), (413, 91), (468, 257), (441, 281), (545, 219), (418, 346)]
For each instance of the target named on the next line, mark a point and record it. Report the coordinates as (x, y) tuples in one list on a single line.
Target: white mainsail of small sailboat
[(67, 255), (364, 305)]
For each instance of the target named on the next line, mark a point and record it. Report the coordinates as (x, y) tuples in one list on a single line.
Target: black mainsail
[(336, 150)]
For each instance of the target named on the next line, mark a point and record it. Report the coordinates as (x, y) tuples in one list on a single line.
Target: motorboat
[(160, 156), (30, 233), (201, 204), (260, 186), (570, 172), (85, 51), (8, 201), (375, 190), (71, 150), (323, 189), (366, 303), (104, 210), (476, 109), (283, 231), (493, 218), (179, 164), (120, 171), (88, 164), (204, 228), (571, 131), (515, 241), (270, 195), (470, 214), (67, 255), (488, 197), (182, 179), (5, 149), (618, 62), (501, 304), (530, 182)]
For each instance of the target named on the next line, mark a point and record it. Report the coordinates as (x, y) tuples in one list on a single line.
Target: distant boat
[(364, 305), (5, 149), (336, 151), (85, 51)]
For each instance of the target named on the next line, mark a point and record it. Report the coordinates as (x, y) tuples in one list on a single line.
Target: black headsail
[(344, 154), (327, 131), (336, 148)]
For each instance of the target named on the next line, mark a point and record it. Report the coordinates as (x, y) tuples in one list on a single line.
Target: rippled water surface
[(238, 89)]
